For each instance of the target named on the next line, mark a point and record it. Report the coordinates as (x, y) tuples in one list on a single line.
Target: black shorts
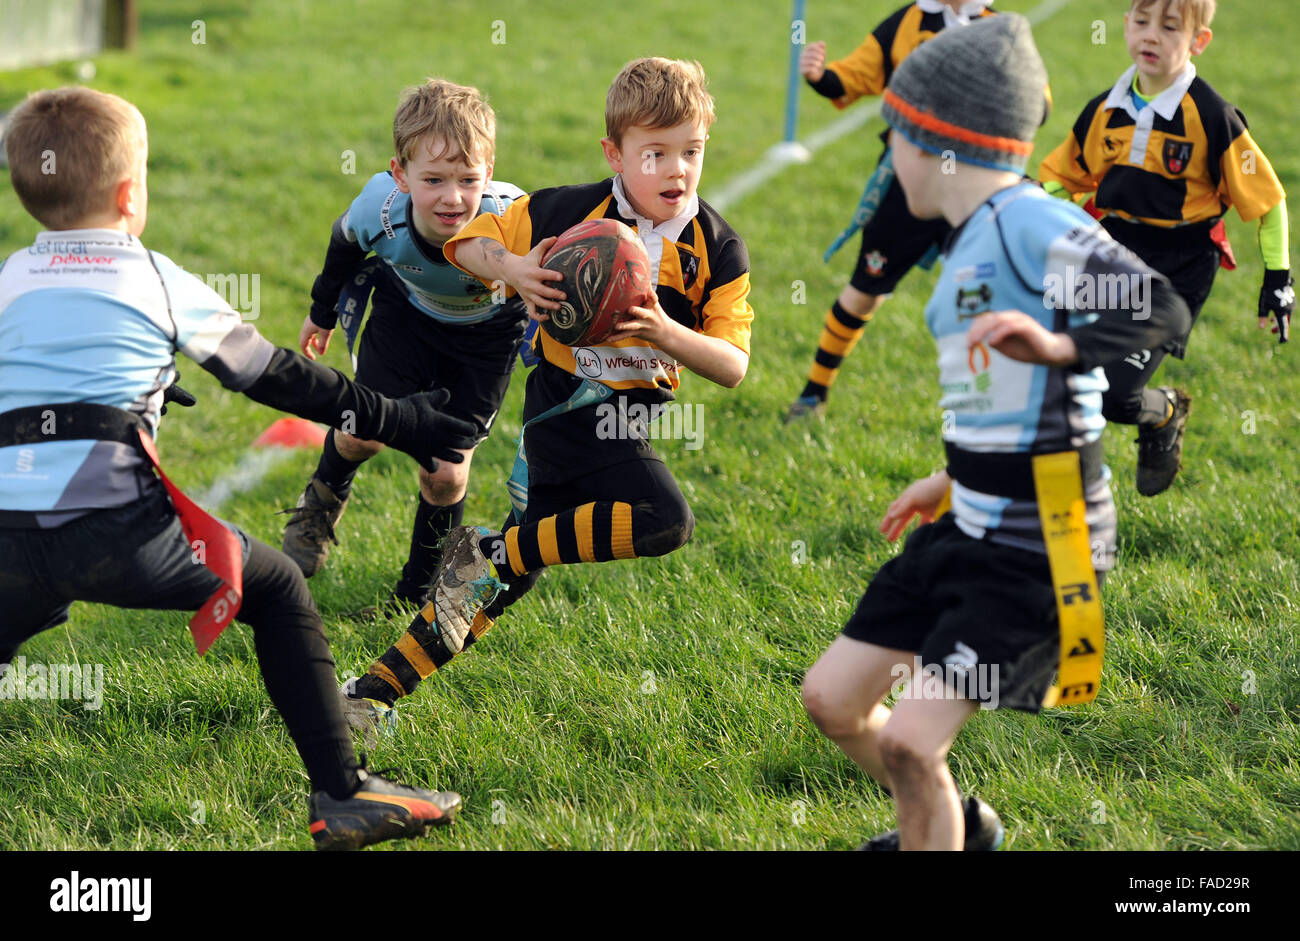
[(957, 600), (892, 242), (402, 351), (574, 444), (1184, 255), (150, 565)]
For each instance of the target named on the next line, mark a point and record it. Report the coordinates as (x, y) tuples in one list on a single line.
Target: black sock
[(334, 470), (814, 390), (372, 687), (432, 523)]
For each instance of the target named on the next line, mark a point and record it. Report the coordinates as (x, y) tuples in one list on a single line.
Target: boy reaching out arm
[(893, 240), (90, 325)]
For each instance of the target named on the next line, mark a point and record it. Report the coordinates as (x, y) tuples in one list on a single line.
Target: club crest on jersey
[(1178, 154), (690, 267), (971, 302), (876, 264)]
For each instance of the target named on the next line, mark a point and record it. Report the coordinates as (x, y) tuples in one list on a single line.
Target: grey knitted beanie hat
[(979, 91)]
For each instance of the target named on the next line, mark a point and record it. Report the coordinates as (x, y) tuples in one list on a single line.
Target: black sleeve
[(828, 86), (299, 386), (342, 259), (1088, 272), (1146, 321)]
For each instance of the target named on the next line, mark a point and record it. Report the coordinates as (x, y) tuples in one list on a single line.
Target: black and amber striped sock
[(840, 334), (415, 657), (593, 532)]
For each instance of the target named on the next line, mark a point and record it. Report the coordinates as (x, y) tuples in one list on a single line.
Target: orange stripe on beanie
[(977, 91)]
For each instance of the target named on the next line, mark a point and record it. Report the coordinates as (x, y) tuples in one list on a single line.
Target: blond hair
[(68, 149), (657, 93), (456, 114), (1196, 13)]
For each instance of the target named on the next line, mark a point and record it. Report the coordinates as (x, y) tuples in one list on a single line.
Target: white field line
[(783, 155), (252, 468)]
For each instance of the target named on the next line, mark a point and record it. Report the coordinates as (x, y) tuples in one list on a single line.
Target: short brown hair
[(68, 148), (657, 93), (1198, 13), (457, 114)]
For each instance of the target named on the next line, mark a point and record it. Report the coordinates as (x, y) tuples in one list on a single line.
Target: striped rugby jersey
[(1184, 158), (379, 221), (867, 69), (699, 263), (1023, 250), (91, 315)]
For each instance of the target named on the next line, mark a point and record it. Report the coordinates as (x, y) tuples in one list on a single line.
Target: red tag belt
[(219, 551)]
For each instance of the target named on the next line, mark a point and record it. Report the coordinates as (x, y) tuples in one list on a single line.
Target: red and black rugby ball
[(606, 271)]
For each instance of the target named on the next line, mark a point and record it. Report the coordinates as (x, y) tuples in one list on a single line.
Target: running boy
[(972, 595), (593, 496), (1167, 157), (90, 323), (893, 240), (430, 324)]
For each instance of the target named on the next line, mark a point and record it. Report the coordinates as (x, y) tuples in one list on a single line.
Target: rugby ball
[(605, 271)]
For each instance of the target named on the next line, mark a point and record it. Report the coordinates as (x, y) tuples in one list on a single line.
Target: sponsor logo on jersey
[(386, 210), (588, 362)]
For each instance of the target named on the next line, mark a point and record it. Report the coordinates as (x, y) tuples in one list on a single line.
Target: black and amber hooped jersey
[(1184, 158), (867, 69), (703, 280)]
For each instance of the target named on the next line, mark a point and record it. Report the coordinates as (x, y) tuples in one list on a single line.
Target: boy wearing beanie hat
[(893, 240), (1166, 157), (968, 610)]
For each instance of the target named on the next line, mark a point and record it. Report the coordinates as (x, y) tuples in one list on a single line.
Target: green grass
[(655, 704)]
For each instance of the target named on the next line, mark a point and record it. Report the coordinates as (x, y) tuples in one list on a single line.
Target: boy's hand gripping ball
[(606, 271)]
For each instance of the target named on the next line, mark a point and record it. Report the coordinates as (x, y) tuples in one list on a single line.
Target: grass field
[(655, 704)]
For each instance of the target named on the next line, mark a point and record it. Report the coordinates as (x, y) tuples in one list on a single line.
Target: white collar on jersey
[(89, 236), (1164, 104), (960, 17), (670, 229)]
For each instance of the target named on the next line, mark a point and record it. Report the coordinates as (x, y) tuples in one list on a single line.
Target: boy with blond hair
[(1166, 157), (590, 496), (972, 600), (90, 324), (430, 324)]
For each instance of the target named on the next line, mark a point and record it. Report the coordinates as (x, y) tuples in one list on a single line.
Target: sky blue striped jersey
[(1023, 250), (91, 315)]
